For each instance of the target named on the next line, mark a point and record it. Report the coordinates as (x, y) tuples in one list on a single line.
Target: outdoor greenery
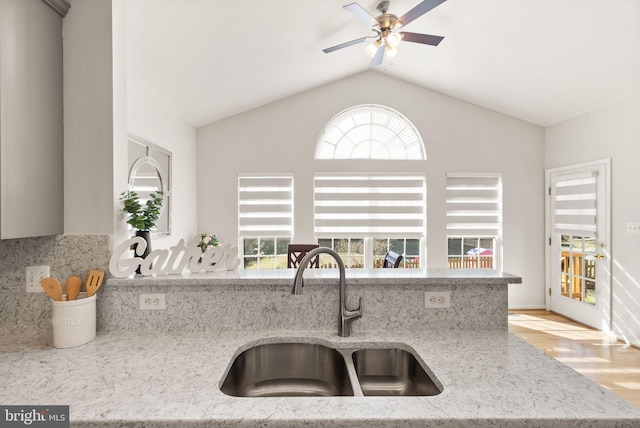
[(351, 250), (142, 216), (265, 253)]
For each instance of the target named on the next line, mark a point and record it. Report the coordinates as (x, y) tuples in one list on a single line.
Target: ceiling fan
[(387, 26)]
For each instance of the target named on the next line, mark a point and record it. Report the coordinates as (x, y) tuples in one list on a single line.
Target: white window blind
[(265, 205), (575, 204), (474, 205), (369, 205)]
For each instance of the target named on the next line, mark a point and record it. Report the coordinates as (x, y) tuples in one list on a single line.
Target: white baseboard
[(517, 307)]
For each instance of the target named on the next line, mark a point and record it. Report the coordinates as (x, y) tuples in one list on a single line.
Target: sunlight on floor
[(613, 364)]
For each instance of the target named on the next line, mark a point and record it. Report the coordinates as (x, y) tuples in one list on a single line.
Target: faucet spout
[(346, 316)]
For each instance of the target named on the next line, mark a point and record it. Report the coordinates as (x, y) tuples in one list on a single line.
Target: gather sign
[(170, 261)]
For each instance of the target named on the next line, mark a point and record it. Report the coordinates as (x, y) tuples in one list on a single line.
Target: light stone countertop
[(125, 379), (328, 276)]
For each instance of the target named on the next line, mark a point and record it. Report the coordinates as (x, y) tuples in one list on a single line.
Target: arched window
[(370, 131)]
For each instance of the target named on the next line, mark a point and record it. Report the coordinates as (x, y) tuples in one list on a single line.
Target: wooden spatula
[(72, 287), (94, 281), (52, 287)]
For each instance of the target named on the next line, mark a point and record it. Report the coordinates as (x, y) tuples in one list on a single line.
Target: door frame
[(606, 263)]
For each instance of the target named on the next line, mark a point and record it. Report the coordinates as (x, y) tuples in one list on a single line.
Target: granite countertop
[(490, 378), (328, 276)]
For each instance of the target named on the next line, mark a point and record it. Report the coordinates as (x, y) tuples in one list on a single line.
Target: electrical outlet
[(153, 302), (34, 275), (633, 228), (437, 299)]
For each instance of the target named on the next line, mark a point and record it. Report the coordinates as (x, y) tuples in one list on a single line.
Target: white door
[(578, 259)]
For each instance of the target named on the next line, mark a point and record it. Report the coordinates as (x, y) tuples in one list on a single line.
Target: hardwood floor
[(611, 363)]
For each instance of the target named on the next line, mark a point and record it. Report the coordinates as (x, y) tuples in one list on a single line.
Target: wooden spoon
[(72, 287), (52, 287), (94, 281)]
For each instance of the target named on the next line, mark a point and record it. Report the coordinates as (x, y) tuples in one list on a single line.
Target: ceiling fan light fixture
[(394, 39), (390, 52), (372, 48)]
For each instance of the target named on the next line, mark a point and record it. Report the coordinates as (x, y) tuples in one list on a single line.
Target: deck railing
[(458, 262), (471, 262)]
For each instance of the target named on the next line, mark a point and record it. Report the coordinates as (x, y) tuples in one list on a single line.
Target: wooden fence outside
[(471, 262), (462, 262)]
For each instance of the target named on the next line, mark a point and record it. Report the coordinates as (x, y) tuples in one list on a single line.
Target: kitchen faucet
[(346, 316)]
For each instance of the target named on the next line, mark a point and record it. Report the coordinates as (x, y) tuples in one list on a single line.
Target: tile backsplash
[(66, 255)]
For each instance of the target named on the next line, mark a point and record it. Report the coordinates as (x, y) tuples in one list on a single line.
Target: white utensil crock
[(74, 322)]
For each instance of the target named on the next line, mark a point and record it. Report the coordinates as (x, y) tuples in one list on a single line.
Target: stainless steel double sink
[(296, 369)]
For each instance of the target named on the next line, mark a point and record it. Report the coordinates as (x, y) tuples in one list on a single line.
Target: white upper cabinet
[(31, 118)]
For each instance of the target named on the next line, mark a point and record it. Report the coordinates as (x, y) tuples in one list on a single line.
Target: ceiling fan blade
[(360, 13), (418, 11), (345, 44), (379, 56), (425, 39)]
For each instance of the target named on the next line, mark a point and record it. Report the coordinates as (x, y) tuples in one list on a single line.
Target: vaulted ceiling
[(543, 61)]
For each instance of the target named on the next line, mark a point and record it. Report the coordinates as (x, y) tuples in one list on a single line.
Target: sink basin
[(392, 371), (288, 369), (308, 369)]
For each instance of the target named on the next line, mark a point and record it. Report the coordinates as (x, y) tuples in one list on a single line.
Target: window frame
[(259, 256), (404, 254), (375, 125)]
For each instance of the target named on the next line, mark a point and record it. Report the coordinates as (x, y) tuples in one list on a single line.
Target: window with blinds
[(474, 220), (474, 205), (369, 205), (265, 205)]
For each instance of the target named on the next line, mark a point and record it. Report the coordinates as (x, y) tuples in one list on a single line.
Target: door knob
[(599, 256)]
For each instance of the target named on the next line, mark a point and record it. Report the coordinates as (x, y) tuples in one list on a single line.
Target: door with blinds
[(579, 263)]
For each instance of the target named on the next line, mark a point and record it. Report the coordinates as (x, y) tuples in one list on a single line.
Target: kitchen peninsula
[(246, 300), (164, 368)]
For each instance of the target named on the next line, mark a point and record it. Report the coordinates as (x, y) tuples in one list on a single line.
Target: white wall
[(101, 108), (459, 137), (611, 132), (150, 119)]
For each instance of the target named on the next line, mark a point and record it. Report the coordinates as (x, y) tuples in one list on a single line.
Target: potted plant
[(207, 241), (142, 217)]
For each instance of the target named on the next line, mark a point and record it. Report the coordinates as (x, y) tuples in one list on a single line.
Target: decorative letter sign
[(171, 261)]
